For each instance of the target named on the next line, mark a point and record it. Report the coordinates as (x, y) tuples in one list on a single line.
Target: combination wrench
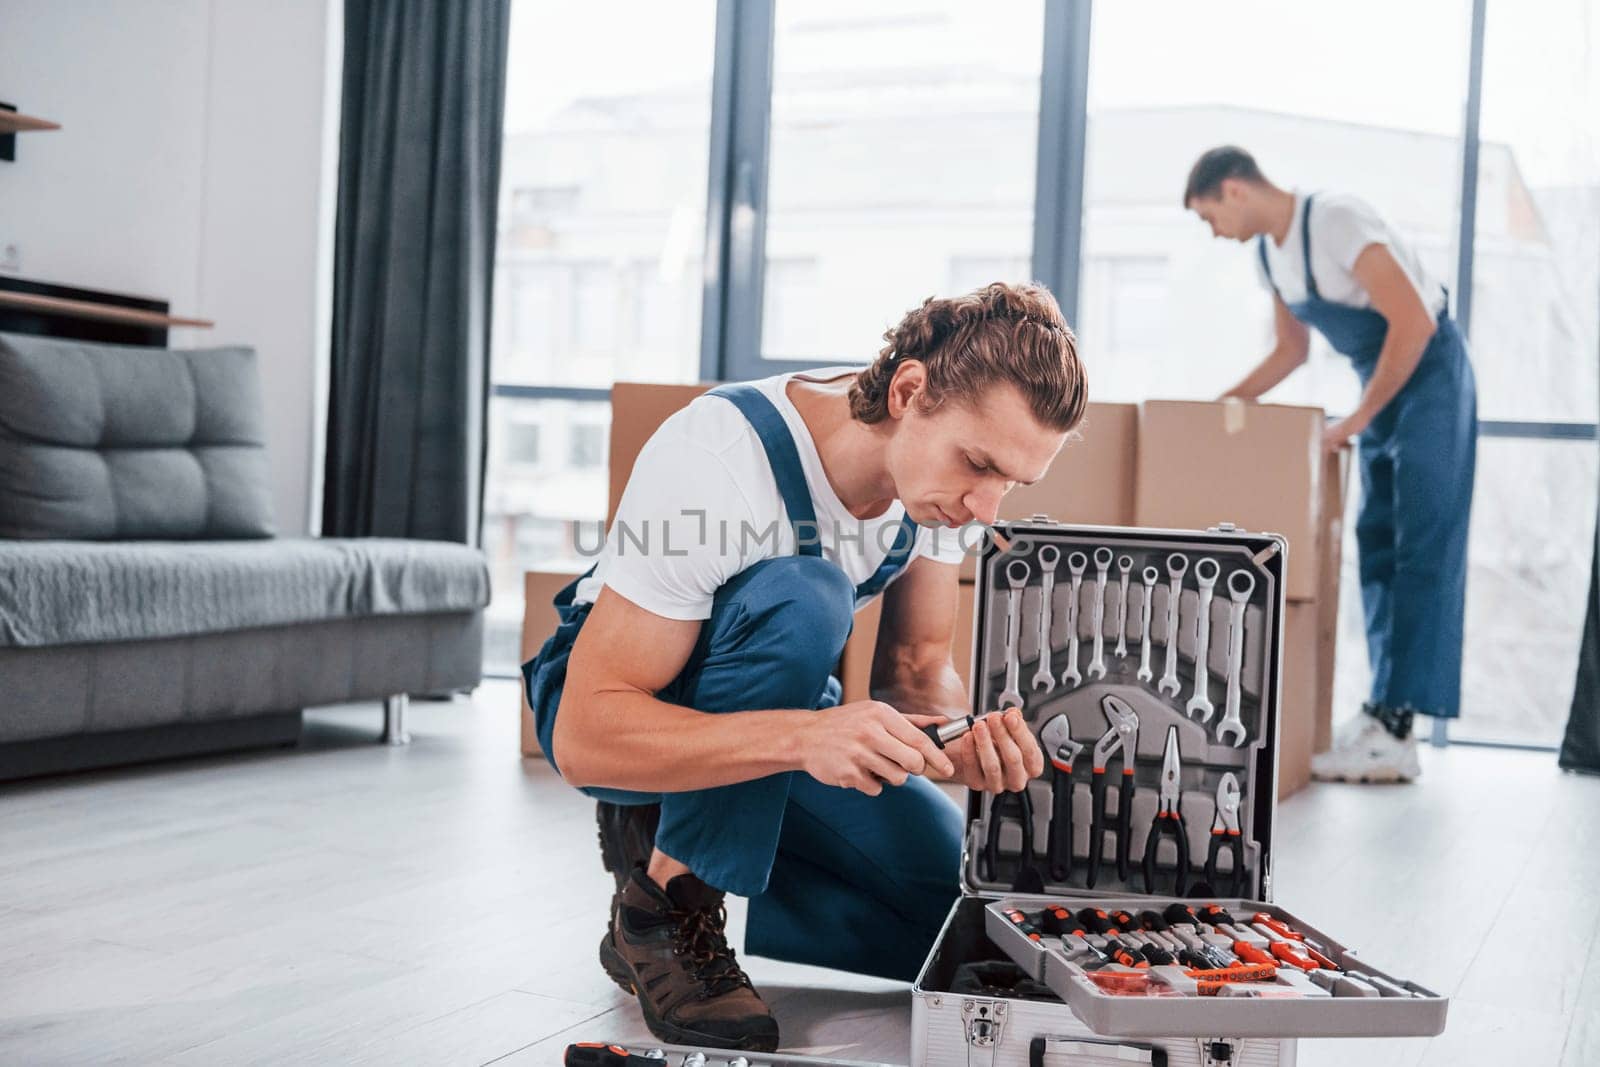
[(1149, 578), (1238, 595), (1016, 576), (1076, 563), (1177, 567), (1206, 573), (1102, 566), (1124, 572), (1043, 678)]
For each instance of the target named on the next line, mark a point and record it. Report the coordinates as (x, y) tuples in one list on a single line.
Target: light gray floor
[(348, 903)]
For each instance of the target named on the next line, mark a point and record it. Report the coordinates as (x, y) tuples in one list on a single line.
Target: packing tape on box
[(1232, 415)]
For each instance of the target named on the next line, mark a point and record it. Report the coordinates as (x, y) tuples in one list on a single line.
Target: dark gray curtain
[(419, 177), (1580, 748)]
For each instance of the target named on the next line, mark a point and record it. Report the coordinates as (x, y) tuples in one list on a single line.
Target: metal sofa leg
[(394, 720)]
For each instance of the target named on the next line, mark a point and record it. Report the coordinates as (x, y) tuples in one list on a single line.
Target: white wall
[(196, 164)]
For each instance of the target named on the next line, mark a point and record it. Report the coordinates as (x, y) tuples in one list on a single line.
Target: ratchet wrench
[(1206, 573), (1075, 567), (1102, 565), (1043, 678), (1149, 578), (1016, 577), (1239, 596), (1124, 572), (1177, 567)]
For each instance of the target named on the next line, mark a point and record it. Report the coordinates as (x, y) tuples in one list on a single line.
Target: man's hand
[(1337, 435), (998, 755), (865, 744)]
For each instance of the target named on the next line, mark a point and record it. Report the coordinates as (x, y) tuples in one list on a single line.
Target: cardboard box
[(1090, 483), (1258, 466), (637, 410), (1335, 487), (1303, 686), (539, 621)]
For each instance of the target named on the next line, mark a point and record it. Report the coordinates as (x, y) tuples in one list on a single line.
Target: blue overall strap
[(768, 423), (905, 539), (1305, 246)]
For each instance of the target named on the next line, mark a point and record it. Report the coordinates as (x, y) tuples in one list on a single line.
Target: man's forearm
[(632, 740), (1397, 361), (929, 687), (1274, 368)]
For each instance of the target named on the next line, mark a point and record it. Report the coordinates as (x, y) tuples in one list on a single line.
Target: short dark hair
[(1216, 166)]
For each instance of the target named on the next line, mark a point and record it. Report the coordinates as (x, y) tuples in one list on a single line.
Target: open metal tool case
[(1095, 630)]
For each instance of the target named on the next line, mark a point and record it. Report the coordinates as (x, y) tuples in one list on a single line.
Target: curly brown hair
[(1000, 333)]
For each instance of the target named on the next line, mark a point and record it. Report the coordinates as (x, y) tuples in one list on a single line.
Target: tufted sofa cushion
[(112, 442)]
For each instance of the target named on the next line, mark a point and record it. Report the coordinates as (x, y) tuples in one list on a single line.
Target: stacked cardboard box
[(1170, 464)]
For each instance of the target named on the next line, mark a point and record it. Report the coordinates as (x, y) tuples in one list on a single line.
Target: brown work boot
[(669, 948), (627, 836)]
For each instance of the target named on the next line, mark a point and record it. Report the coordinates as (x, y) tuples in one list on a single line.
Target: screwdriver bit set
[(1132, 881)]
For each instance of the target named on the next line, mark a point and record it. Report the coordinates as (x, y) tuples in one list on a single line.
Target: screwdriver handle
[(1277, 926), (1246, 951), (596, 1054), (1290, 953)]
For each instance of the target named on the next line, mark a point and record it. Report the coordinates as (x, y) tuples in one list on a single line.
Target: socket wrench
[(1206, 573), (1177, 567), (1017, 572), (1043, 678), (1076, 563), (1238, 596), (1102, 566), (1149, 578)]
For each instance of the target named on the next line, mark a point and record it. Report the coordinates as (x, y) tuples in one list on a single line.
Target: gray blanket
[(74, 592)]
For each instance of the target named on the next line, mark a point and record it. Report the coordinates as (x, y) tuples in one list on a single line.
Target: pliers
[(1225, 836), (1060, 749), (1168, 820), (1018, 807), (1123, 736)]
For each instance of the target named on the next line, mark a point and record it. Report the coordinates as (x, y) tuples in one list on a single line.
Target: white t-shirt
[(702, 505), (1341, 226)]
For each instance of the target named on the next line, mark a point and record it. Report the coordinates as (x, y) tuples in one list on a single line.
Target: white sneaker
[(1366, 752)]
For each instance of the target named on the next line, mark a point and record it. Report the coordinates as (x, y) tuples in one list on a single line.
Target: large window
[(903, 137), (857, 158), (1322, 102), (598, 278)]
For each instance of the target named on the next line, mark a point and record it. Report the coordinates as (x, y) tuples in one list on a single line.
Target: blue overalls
[(835, 877), (1417, 462)]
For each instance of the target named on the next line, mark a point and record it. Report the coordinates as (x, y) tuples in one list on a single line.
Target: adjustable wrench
[(1016, 576), (1060, 749), (1102, 564), (1124, 572), (1177, 567), (1206, 573), (1043, 678), (1075, 567), (1149, 578), (1239, 595)]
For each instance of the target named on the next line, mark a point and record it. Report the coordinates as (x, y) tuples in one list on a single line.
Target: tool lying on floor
[(1123, 737), (1168, 821), (1016, 577), (1226, 836), (1060, 749), (1077, 562)]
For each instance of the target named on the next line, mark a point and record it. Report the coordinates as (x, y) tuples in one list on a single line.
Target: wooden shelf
[(13, 122), (84, 309)]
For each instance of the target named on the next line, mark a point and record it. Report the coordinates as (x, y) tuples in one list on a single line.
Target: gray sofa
[(146, 608)]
